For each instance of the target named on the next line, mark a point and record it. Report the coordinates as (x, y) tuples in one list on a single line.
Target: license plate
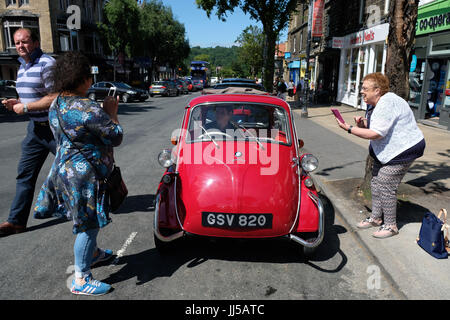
[(156, 91), (237, 221)]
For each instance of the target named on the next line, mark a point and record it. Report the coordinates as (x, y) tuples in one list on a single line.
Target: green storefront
[(429, 74)]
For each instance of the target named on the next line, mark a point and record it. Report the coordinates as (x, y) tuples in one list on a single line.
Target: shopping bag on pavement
[(433, 235)]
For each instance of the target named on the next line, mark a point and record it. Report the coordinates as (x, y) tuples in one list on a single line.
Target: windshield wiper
[(249, 133), (209, 136)]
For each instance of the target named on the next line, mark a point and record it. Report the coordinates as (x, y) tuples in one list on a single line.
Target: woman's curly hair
[(69, 72)]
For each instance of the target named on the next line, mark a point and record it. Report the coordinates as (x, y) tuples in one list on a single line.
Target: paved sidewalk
[(426, 187)]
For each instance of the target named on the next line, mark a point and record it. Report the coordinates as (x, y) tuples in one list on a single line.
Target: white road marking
[(124, 247)]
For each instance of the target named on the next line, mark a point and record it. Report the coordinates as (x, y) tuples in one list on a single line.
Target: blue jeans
[(36, 146), (84, 247)]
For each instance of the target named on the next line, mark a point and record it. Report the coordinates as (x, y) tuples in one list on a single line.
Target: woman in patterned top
[(395, 142), (85, 133)]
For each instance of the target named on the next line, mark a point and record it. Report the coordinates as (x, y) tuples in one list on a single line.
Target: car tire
[(125, 98), (91, 96), (308, 252), (152, 95)]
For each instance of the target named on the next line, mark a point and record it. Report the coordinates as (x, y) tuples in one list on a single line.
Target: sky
[(209, 32)]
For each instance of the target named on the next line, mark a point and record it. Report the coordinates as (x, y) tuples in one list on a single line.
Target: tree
[(250, 53), (119, 28), (402, 30), (273, 14), (163, 38)]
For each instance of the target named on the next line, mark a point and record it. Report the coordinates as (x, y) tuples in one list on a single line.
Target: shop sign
[(338, 43), (317, 22), (375, 34), (435, 23)]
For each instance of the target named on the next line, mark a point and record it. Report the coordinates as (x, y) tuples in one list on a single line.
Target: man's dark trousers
[(36, 146)]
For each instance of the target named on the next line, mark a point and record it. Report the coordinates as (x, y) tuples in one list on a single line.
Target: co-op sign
[(433, 21)]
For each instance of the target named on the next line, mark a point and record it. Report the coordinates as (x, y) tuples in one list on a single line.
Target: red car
[(237, 171)]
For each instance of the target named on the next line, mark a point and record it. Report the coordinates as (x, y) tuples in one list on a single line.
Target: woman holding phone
[(395, 142), (85, 133)]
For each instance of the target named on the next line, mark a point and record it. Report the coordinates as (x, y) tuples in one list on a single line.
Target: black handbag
[(433, 236), (116, 190)]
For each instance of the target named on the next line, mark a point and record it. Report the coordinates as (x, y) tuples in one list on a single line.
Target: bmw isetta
[(237, 171)]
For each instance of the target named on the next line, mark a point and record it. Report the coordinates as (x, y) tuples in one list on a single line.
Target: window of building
[(9, 27), (63, 4), (68, 39), (295, 44), (301, 42), (23, 2), (378, 62), (10, 2)]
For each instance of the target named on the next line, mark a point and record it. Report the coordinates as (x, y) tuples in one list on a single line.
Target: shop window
[(378, 61), (354, 69), (440, 44), (347, 68), (416, 79)]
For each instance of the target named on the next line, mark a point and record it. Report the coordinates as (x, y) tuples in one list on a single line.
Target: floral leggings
[(385, 182)]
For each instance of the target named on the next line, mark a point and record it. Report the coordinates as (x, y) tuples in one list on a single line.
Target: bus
[(200, 72)]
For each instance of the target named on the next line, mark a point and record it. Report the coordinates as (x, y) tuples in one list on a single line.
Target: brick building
[(50, 20)]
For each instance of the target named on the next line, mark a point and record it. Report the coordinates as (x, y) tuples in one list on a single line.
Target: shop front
[(362, 53), (429, 73)]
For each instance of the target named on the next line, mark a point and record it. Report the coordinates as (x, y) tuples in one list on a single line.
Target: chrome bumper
[(320, 235), (156, 226)]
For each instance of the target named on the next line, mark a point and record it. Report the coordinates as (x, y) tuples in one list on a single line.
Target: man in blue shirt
[(33, 88)]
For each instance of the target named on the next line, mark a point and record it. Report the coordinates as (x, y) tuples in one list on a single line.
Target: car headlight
[(309, 163), (165, 158), (131, 92)]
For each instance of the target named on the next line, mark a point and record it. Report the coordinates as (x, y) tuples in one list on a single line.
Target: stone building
[(62, 25)]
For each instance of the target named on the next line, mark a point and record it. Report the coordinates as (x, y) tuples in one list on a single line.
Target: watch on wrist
[(25, 108), (350, 129)]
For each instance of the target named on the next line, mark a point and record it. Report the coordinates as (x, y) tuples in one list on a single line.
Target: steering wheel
[(220, 133)]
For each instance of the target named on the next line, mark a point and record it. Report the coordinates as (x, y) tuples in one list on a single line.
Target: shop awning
[(294, 65)]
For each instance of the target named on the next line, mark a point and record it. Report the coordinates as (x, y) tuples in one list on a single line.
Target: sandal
[(367, 223), (385, 232)]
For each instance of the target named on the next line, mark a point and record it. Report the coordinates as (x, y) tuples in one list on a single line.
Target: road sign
[(94, 70)]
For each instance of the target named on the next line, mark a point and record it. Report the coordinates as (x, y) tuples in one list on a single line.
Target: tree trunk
[(269, 60), (402, 30)]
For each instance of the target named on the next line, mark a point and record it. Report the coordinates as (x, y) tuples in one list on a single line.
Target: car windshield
[(159, 83), (237, 84), (239, 121), (122, 85)]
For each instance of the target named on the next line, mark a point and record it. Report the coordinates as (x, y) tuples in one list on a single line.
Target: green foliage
[(149, 30), (273, 14), (250, 54), (222, 57)]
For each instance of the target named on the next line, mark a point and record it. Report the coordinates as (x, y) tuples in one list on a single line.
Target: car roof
[(238, 80), (252, 98)]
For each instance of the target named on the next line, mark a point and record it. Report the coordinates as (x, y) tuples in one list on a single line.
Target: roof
[(237, 97)]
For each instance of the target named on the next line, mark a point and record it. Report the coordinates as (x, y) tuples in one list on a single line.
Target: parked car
[(238, 80), (8, 89), (262, 189), (182, 86), (190, 85), (214, 80), (127, 93), (198, 84), (251, 85), (163, 88)]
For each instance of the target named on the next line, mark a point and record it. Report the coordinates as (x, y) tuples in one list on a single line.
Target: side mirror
[(300, 143)]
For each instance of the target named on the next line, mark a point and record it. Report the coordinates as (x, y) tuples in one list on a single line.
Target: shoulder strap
[(60, 121)]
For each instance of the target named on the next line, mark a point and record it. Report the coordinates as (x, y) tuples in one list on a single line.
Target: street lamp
[(304, 112)]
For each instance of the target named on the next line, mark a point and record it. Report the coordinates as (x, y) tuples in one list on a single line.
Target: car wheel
[(163, 247), (91, 96), (152, 95), (308, 252), (125, 98)]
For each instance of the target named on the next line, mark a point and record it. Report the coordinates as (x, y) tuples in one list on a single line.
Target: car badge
[(238, 154)]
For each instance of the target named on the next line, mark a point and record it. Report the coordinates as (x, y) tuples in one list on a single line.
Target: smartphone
[(337, 114), (112, 92)]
